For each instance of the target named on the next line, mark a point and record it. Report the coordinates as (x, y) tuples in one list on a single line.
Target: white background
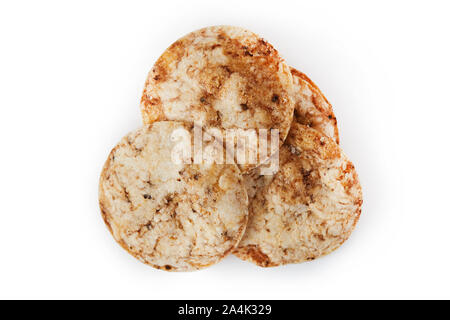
[(71, 76)]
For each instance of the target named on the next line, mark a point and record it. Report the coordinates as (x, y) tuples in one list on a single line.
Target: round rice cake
[(221, 77), (170, 215), (312, 107), (308, 208)]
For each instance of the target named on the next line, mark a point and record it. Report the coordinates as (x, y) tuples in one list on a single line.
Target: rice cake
[(308, 208), (172, 216)]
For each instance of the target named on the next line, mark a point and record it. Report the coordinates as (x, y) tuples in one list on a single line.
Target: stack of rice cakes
[(187, 216)]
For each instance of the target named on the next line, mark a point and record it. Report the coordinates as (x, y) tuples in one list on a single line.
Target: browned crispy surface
[(308, 208), (312, 107), (221, 77)]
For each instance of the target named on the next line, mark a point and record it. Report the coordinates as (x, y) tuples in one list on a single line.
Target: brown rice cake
[(221, 77), (308, 208), (311, 106), (311, 109), (175, 217)]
